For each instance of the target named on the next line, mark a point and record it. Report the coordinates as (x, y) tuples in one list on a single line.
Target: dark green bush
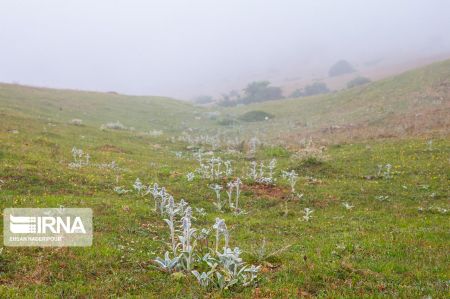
[(255, 115)]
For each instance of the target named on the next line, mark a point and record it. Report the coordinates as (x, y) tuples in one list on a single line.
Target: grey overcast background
[(187, 48)]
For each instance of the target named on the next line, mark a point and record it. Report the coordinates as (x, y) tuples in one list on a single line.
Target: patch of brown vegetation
[(267, 191)]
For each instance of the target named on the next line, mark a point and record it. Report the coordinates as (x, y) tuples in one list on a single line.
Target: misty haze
[(185, 49), (225, 149)]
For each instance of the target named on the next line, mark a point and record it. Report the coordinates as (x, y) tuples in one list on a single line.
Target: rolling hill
[(414, 102), (379, 223)]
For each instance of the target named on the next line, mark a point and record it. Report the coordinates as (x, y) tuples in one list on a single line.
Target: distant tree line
[(261, 91)]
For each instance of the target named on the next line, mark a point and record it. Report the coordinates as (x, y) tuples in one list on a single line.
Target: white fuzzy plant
[(190, 176), (307, 214), (384, 171), (120, 190), (348, 206), (228, 168), (292, 178), (257, 173), (139, 187), (213, 169), (80, 158), (219, 204), (171, 211), (221, 230), (225, 269)]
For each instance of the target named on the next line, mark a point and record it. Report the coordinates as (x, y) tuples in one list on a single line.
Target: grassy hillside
[(143, 113), (417, 100), (390, 240)]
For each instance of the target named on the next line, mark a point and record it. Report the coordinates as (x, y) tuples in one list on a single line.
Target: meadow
[(350, 219)]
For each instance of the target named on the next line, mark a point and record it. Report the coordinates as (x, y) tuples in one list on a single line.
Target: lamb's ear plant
[(200, 211), (78, 161), (230, 188), (382, 197), (218, 204), (171, 212), (235, 271), (253, 175), (167, 264), (348, 206), (211, 268), (186, 239), (308, 214), (77, 154), (228, 168), (221, 230), (272, 165), (386, 174), (203, 278), (190, 176), (214, 165), (163, 196), (237, 184), (120, 190), (292, 178), (138, 186), (155, 193), (181, 206)]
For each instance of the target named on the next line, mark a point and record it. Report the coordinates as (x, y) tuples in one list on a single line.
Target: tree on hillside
[(341, 67), (260, 91)]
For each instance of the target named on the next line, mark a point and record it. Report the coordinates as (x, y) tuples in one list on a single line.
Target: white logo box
[(60, 227)]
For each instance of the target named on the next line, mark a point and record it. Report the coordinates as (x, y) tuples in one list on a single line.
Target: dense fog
[(188, 48)]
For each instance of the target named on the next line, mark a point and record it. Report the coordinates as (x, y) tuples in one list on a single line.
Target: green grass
[(94, 108), (377, 249), (391, 249)]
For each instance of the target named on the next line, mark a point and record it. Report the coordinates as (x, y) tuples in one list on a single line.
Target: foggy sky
[(184, 48)]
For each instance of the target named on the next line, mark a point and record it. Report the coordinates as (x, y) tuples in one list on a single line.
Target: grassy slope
[(143, 113), (391, 249), (375, 104)]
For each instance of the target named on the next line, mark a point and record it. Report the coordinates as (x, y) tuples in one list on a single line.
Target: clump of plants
[(117, 125), (214, 267), (257, 173), (292, 178), (384, 171), (233, 188), (80, 158)]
